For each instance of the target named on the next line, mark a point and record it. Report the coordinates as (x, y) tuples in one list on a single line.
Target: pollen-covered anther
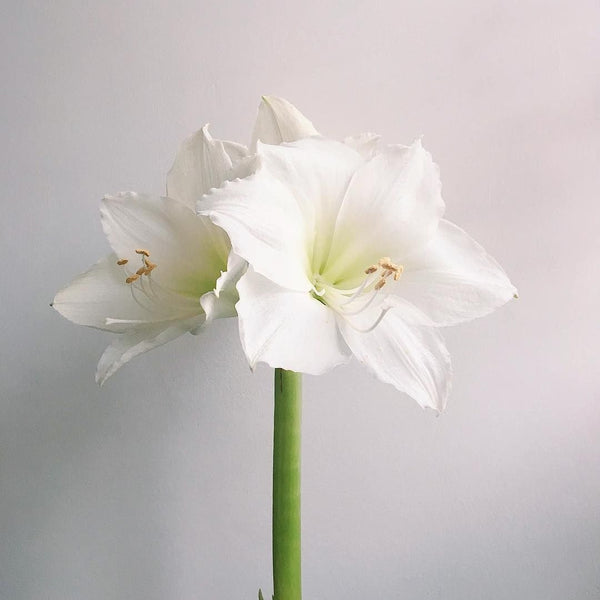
[(148, 267), (386, 268), (390, 268), (387, 264)]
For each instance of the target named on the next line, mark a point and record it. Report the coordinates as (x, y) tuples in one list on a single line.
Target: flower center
[(147, 266), (352, 301), (151, 295)]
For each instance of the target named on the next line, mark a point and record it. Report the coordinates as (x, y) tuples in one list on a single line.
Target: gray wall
[(158, 485)]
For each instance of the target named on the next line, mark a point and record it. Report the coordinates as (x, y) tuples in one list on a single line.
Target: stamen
[(366, 305), (377, 321), (389, 269), (134, 295), (353, 301), (386, 263), (359, 290), (147, 266), (150, 295)]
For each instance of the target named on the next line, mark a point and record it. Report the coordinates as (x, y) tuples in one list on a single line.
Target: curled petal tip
[(205, 133), (280, 121)]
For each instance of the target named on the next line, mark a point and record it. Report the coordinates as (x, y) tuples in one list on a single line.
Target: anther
[(141, 271), (379, 284), (371, 269), (390, 266), (132, 278), (142, 251), (122, 261)]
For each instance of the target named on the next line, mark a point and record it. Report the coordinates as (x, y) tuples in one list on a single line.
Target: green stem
[(286, 486)]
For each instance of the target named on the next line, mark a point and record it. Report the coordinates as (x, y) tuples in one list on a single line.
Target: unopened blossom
[(169, 271), (349, 255)]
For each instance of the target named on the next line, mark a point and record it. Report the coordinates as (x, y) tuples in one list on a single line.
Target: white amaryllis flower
[(170, 271), (349, 255)]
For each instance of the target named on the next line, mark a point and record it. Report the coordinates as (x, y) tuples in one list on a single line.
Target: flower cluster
[(323, 249)]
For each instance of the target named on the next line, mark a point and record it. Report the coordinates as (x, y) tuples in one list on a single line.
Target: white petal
[(137, 341), (201, 164), (244, 163), (290, 330), (317, 171), (413, 359), (220, 303), (406, 310), (244, 167), (453, 279), (226, 284), (392, 206), (235, 151), (100, 294), (265, 225), (279, 121), (365, 144), (281, 219), (190, 251)]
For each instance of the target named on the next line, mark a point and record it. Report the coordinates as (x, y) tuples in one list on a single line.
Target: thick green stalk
[(287, 580)]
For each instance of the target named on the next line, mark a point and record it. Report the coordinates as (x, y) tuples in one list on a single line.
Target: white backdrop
[(158, 485)]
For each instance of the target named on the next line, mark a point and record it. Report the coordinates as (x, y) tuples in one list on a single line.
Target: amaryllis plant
[(324, 250)]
